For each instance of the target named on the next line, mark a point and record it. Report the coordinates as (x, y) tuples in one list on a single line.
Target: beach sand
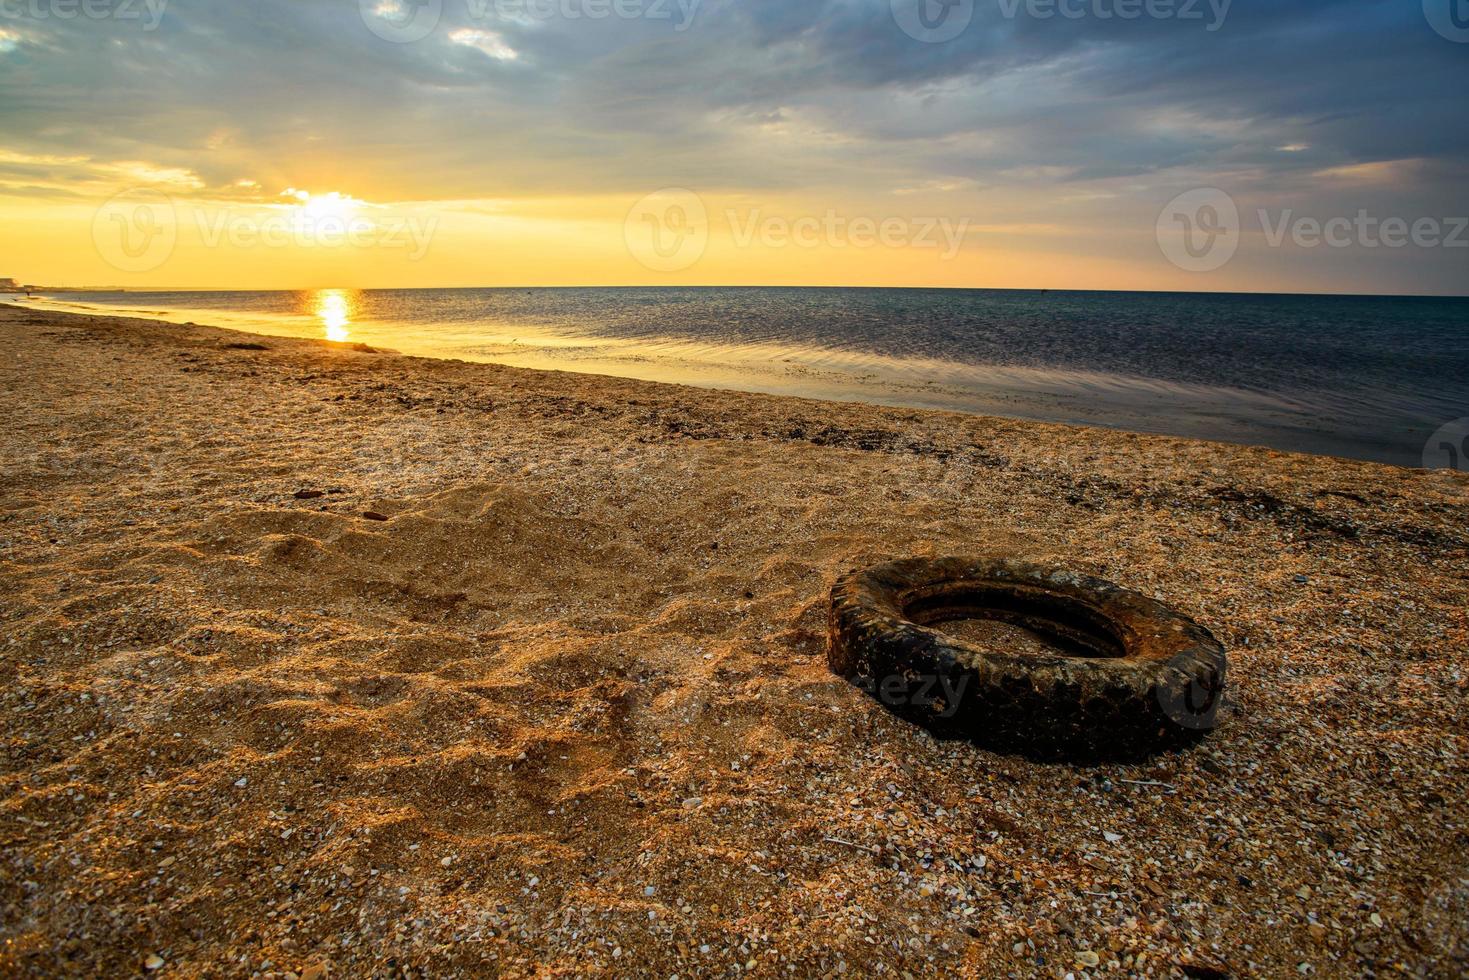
[(566, 709)]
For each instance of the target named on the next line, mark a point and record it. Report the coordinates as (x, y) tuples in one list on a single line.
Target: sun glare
[(331, 206), (334, 310), (335, 209)]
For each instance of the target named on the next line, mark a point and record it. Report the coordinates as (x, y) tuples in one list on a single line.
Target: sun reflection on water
[(334, 310)]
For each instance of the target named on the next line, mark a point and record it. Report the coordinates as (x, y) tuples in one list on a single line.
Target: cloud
[(754, 97), (1091, 97), (490, 43)]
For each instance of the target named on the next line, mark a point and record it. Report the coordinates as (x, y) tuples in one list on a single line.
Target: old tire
[(1124, 676)]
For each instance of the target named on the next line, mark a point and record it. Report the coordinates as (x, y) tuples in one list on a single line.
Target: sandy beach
[(321, 661)]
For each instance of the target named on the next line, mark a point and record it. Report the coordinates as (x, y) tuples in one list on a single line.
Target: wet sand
[(1019, 361), (321, 661)]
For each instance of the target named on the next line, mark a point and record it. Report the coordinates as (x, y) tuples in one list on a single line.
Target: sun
[(326, 207), (322, 211)]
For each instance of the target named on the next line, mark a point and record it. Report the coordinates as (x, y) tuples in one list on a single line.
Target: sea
[(1365, 377)]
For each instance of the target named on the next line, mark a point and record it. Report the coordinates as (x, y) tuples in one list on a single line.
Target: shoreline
[(956, 289), (1006, 383), (567, 707), (1320, 421)]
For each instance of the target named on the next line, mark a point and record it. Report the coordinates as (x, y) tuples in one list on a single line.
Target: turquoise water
[(1362, 377)]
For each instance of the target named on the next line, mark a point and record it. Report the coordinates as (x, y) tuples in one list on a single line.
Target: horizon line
[(952, 289)]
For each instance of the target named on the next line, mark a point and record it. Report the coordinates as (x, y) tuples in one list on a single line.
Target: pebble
[(1268, 785)]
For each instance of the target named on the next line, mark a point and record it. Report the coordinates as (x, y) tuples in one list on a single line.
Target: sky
[(1229, 145)]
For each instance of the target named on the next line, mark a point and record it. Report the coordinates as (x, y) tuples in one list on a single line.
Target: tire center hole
[(992, 634), (1015, 619)]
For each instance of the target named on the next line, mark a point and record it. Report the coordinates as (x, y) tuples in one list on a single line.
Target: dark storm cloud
[(490, 105)]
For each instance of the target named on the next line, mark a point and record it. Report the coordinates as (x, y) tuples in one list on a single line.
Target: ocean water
[(1363, 377)]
